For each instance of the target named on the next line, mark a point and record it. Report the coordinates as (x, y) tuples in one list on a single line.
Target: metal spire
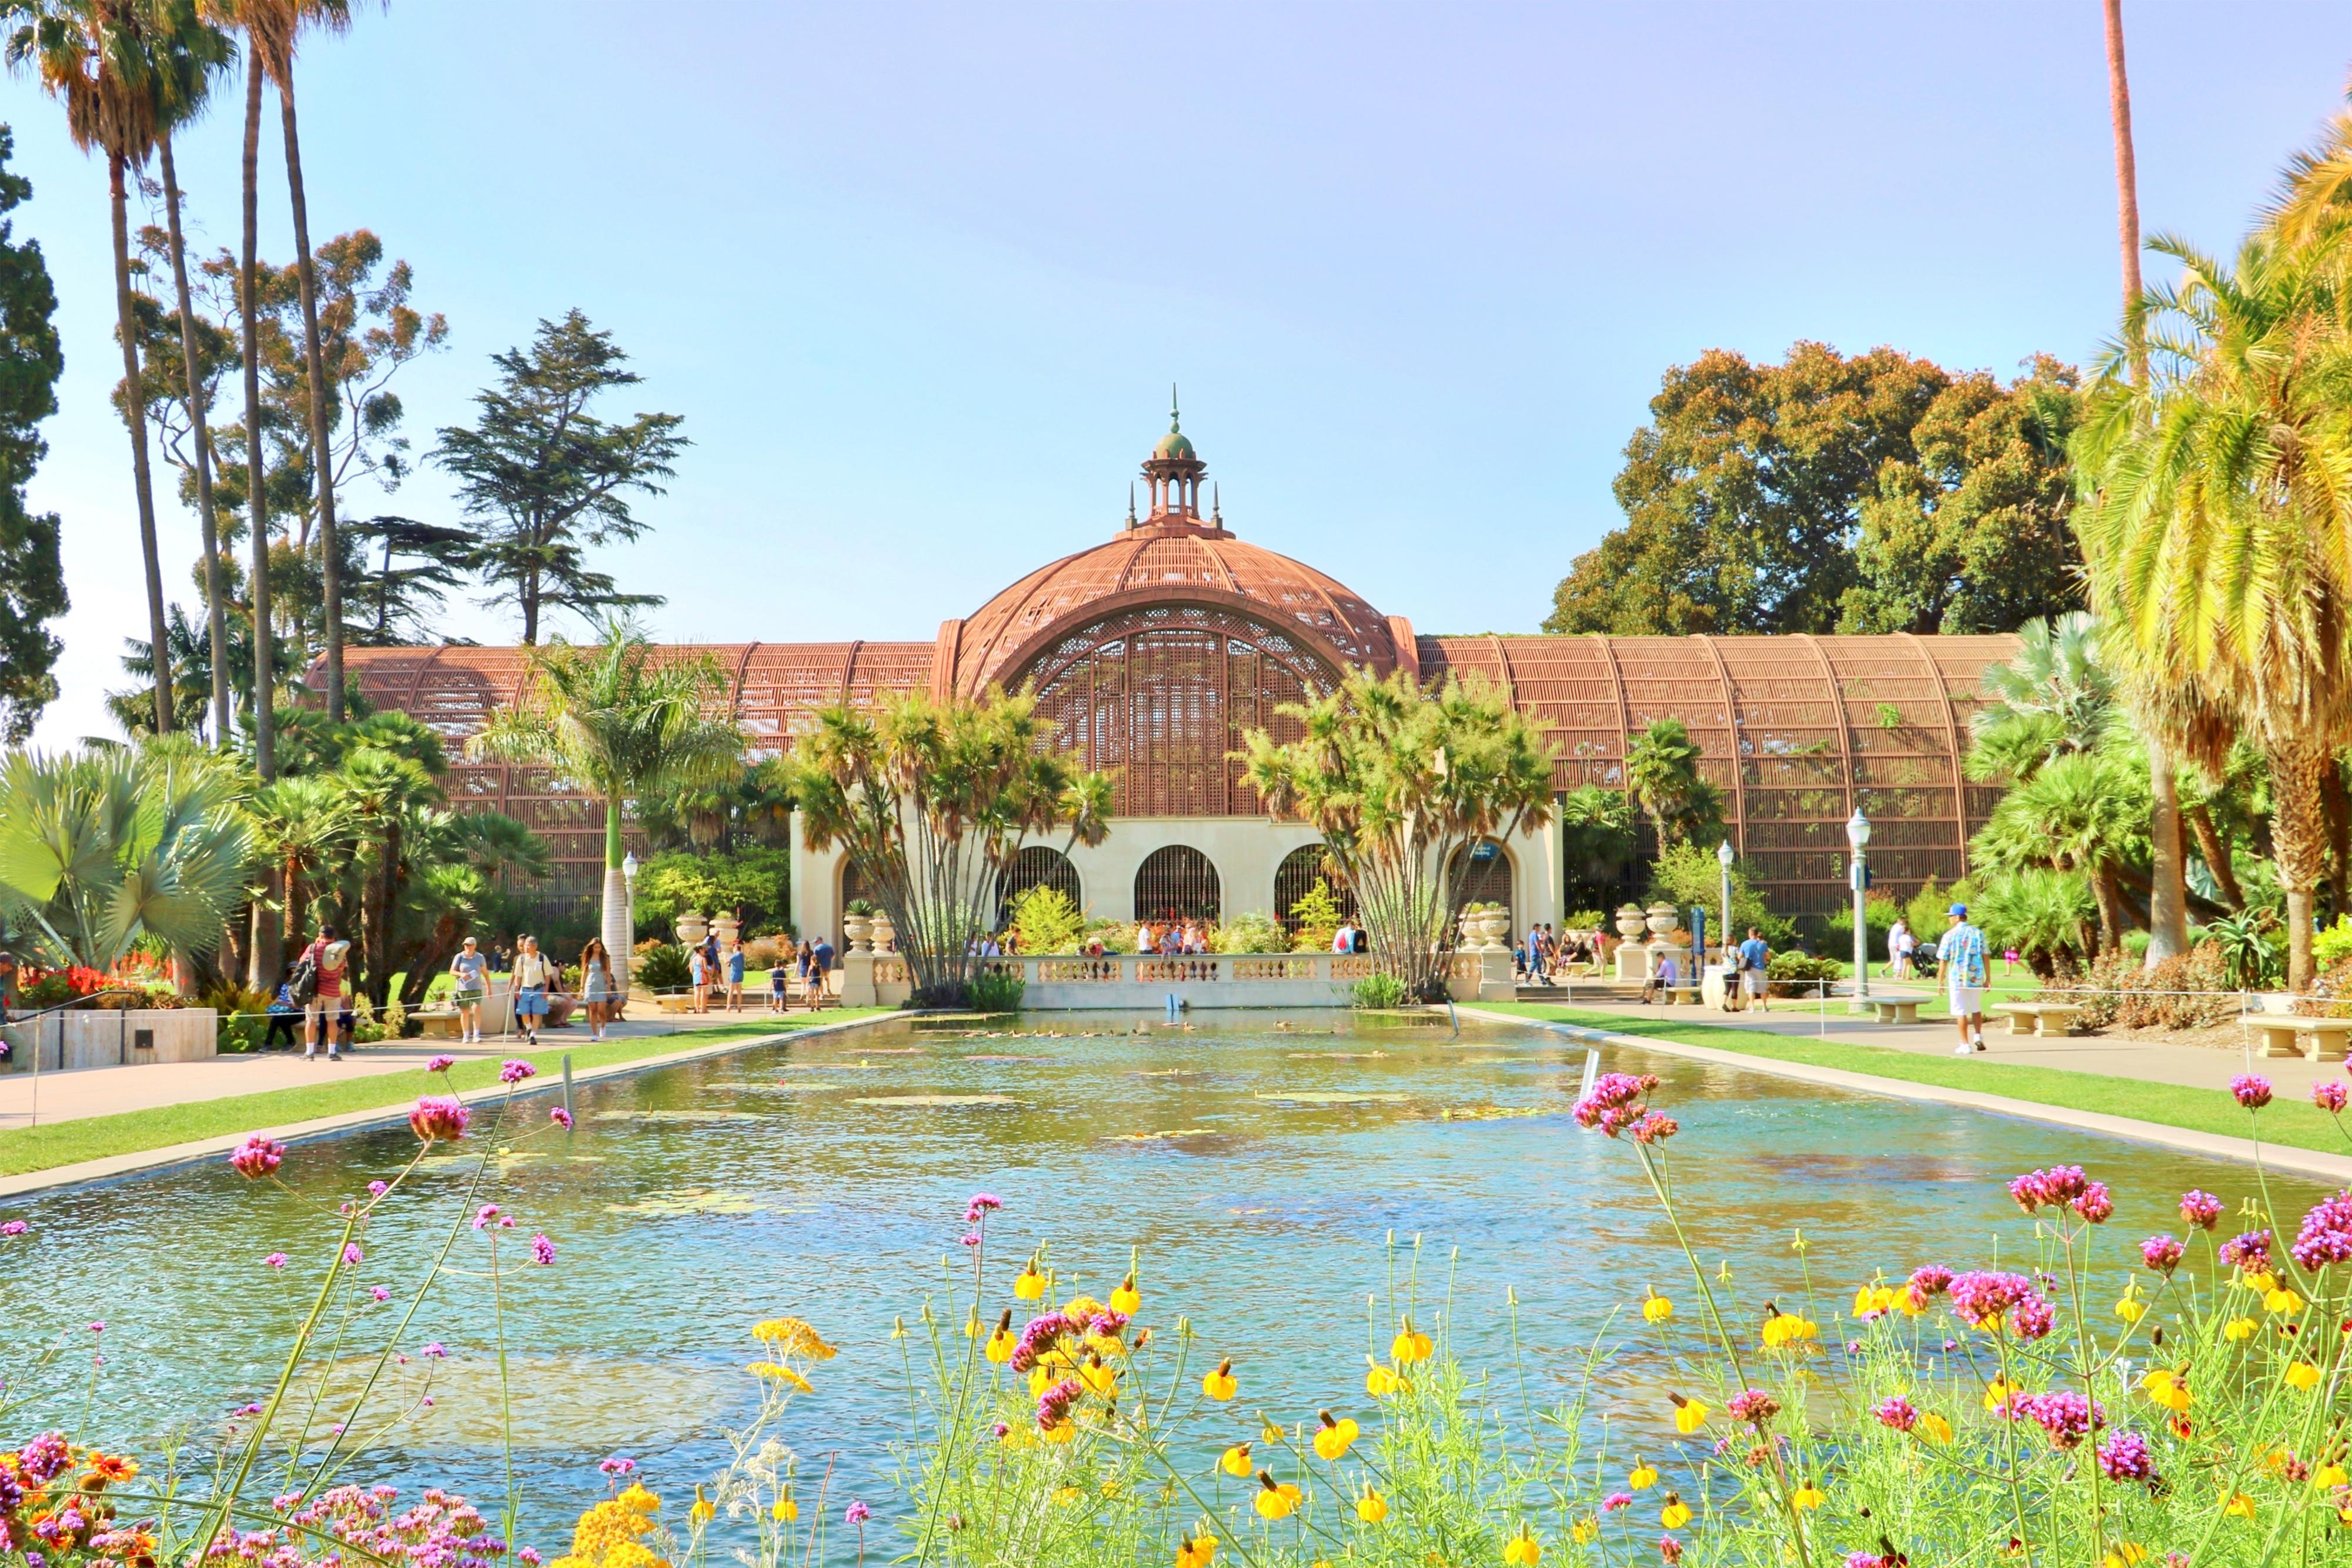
[(1175, 419), (1216, 506), (1130, 503)]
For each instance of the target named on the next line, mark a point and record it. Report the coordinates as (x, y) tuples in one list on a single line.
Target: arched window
[(1039, 865), (1177, 883), (1300, 869), (853, 888), (1482, 874)]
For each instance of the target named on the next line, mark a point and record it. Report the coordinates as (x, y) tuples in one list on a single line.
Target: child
[(777, 974)]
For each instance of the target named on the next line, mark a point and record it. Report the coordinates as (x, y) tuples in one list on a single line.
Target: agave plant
[(102, 850)]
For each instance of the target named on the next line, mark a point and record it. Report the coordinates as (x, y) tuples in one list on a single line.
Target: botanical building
[(1153, 652)]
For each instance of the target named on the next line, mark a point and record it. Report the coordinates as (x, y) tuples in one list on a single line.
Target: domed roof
[(1175, 444), (1179, 562)]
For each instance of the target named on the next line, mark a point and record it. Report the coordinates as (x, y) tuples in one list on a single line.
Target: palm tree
[(1663, 778), (2039, 912), (2082, 813), (2217, 519), (381, 791), (272, 28), (95, 57), (257, 504), (302, 826), (190, 52), (615, 720)]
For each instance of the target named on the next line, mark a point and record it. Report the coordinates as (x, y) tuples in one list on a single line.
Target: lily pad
[(691, 1200), (943, 1102), (1336, 1097), (1041, 1059), (1494, 1112), (831, 1067)]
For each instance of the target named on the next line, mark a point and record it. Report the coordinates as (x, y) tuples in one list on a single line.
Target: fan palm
[(1662, 776), (102, 850), (2039, 912), (618, 721), (96, 57), (2217, 522), (381, 790), (302, 826), (2085, 811)]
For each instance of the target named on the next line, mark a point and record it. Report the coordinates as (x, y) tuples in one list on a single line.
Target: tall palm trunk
[(215, 613), (2299, 837), (2217, 856), (268, 941), (135, 414), (2126, 192), (330, 557), (380, 928), (298, 897)]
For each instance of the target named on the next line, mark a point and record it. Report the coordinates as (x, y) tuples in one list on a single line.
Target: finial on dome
[(1175, 413), (1216, 507), (1130, 503)]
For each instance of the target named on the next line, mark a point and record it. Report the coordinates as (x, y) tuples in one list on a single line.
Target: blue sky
[(919, 275)]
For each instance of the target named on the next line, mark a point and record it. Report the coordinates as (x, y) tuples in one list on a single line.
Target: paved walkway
[(107, 1090), (2191, 1066)]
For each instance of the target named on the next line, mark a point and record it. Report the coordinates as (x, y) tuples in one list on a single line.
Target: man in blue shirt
[(1755, 960), (1961, 955)]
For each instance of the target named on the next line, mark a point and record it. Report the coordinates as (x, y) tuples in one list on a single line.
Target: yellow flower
[(703, 1506), (1523, 1550), (1689, 1413), (1784, 1329), (1997, 1394), (2282, 1302), (2303, 1376), (1275, 1500), (1409, 1346), (1656, 1309), (778, 1371), (1126, 1298), (1098, 1378), (2240, 1328), (1807, 1497), (2238, 1505), (1029, 1285), (1198, 1552), (2165, 1388), (1270, 1433), (1380, 1381), (1584, 1530), (787, 1510), (791, 1336), (2262, 1282), (1642, 1478), (1372, 1507), (636, 1500), (1221, 1385), (1934, 1427), (1059, 1432), (2327, 1476), (2131, 1309), (1002, 1344), (1674, 1515), (1082, 1308), (2126, 1555), (1335, 1438), (1237, 1460)]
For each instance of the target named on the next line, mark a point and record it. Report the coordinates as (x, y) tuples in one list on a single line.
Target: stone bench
[(1896, 1009), (2037, 1017), (2284, 1035)]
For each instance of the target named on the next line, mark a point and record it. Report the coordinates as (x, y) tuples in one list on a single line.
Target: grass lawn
[(98, 1137), (2293, 1123)]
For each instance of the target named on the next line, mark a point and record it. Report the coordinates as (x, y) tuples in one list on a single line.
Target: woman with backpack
[(319, 984)]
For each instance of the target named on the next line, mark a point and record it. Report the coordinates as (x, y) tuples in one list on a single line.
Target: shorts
[(468, 998), (322, 1007), (1966, 1000), (1752, 981), (530, 1002)]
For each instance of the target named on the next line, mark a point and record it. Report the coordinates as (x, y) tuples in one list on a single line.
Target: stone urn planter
[(1631, 922), (1662, 918), (692, 928), (728, 927), (884, 934), (1494, 928), (855, 929)]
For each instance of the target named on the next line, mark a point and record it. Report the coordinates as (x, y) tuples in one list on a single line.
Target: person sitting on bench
[(1668, 975)]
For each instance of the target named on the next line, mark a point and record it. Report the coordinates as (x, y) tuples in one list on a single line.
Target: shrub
[(1800, 974), (1381, 990), (1316, 917), (662, 966), (1686, 874), (2333, 944), (756, 879), (997, 991), (1879, 914), (761, 952), (1253, 934), (1044, 920)]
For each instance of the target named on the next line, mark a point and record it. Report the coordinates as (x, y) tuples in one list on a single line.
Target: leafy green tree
[(383, 792), (932, 801), (551, 478), (623, 722), (1044, 920), (2055, 695), (755, 880), (422, 563), (303, 827), (1597, 837), (1403, 783), (32, 575), (1684, 875), (1661, 777), (1971, 534)]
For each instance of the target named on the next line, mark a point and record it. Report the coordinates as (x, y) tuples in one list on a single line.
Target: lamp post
[(629, 879), (1857, 833), (1731, 937)]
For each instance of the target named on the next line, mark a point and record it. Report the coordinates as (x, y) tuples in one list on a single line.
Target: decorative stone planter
[(884, 934), (728, 927), (855, 929), (1631, 922), (1662, 918), (692, 928), (1494, 930)]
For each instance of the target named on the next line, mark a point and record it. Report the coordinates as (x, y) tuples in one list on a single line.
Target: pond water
[(1261, 1162)]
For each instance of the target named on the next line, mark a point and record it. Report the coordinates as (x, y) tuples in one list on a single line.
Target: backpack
[(303, 983)]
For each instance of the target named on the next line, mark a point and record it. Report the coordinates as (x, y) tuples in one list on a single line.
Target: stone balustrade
[(1129, 981)]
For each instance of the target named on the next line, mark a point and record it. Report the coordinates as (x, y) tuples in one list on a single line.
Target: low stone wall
[(83, 1037), (1130, 982)]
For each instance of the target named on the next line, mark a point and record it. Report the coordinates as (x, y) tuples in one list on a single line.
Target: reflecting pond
[(1260, 1162)]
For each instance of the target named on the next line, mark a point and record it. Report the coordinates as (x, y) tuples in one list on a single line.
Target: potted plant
[(858, 925), (692, 928), (1631, 921), (1661, 918)]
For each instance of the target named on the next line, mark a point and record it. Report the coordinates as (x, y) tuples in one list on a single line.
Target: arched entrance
[(1481, 874), (1300, 869), (1039, 865), (1178, 883)]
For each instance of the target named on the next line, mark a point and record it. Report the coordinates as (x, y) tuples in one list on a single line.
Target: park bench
[(2317, 1039), (1896, 1009), (2038, 1017)]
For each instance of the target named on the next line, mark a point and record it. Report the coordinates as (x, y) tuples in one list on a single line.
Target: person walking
[(1899, 944), (778, 973), (597, 988), (735, 961), (820, 970), (1961, 955), (283, 1011), (323, 1008), (471, 971), (532, 980), (1755, 972), (698, 974)]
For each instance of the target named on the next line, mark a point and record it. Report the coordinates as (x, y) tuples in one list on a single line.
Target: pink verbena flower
[(257, 1156), (2250, 1090), (352, 1253), (14, 1227), (515, 1071), (1898, 1413), (276, 1260), (1986, 1299), (486, 1213), (2329, 1097), (2124, 1457), (439, 1118), (441, 1065), (856, 1513), (2161, 1253), (2250, 1251), (2200, 1210), (2067, 1417), (2325, 1235), (1614, 1103), (560, 1116), (542, 1250), (1928, 1282), (1752, 1405), (1615, 1501)]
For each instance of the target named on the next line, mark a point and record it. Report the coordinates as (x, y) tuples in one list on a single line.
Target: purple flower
[(1002, 1429), (617, 1466), (489, 1212), (2250, 1251), (1615, 1501), (969, 1238), (1752, 1405), (378, 1189), (257, 1156), (542, 1250), (2067, 1417), (515, 1071), (1053, 1405), (441, 1065), (2161, 1253), (352, 1253), (2124, 1457), (98, 1328), (2329, 1097), (379, 1292), (1864, 1560), (1897, 1413), (1614, 1103), (441, 1117), (529, 1557), (560, 1116), (40, 1461), (2036, 1190), (276, 1260), (1980, 1297), (2200, 1210), (1928, 1282), (856, 1513), (436, 1349), (14, 1227), (986, 1201), (2034, 1318), (2250, 1090), (2325, 1235), (2093, 1204)]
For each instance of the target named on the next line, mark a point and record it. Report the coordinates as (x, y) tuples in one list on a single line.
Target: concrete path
[(107, 1090)]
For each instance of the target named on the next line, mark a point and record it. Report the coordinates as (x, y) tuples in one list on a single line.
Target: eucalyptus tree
[(1404, 783), (31, 569), (2217, 522), (624, 721), (96, 58), (932, 801)]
